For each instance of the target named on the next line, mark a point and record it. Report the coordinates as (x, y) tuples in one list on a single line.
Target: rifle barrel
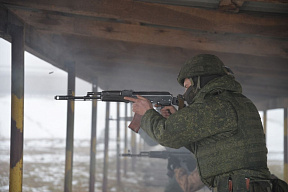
[(156, 154), (89, 96)]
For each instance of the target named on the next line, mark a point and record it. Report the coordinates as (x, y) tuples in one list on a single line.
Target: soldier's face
[(187, 83)]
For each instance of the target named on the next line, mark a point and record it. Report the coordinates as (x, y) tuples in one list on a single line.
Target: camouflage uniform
[(223, 130)]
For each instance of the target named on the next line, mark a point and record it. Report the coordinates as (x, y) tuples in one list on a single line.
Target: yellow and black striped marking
[(285, 145)]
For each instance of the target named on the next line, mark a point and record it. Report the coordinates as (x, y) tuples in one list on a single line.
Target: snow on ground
[(44, 165)]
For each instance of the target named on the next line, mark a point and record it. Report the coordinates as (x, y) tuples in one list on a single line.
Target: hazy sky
[(45, 117)]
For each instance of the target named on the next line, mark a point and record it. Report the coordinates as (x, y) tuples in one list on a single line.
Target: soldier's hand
[(140, 104), (166, 111)]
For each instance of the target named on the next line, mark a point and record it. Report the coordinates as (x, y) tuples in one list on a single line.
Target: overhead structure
[(141, 44)]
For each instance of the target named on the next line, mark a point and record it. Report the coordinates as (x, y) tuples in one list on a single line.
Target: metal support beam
[(125, 139), (133, 147), (70, 129), (118, 146), (17, 108), (93, 140), (285, 145), (106, 147)]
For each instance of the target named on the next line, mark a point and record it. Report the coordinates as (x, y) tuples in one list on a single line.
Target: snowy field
[(44, 165)]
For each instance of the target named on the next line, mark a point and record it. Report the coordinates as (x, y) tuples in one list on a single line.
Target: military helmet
[(203, 64)]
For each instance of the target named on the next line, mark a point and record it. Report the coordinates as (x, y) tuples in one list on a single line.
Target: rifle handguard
[(135, 123)]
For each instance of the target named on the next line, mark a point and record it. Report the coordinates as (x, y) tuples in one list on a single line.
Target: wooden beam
[(157, 35), (3, 20), (129, 11), (6, 19), (248, 67), (264, 90), (206, 3), (274, 103), (124, 60), (269, 1)]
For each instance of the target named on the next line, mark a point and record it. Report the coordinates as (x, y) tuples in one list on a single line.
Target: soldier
[(182, 172), (183, 175), (221, 127)]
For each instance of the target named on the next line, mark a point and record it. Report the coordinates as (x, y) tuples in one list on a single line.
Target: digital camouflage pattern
[(203, 64), (222, 128)]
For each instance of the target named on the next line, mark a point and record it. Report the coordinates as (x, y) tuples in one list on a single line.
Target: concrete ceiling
[(142, 44)]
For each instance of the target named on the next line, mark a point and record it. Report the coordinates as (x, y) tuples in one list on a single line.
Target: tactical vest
[(245, 148)]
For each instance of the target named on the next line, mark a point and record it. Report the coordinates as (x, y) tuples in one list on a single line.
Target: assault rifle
[(175, 159), (156, 97), (158, 154)]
